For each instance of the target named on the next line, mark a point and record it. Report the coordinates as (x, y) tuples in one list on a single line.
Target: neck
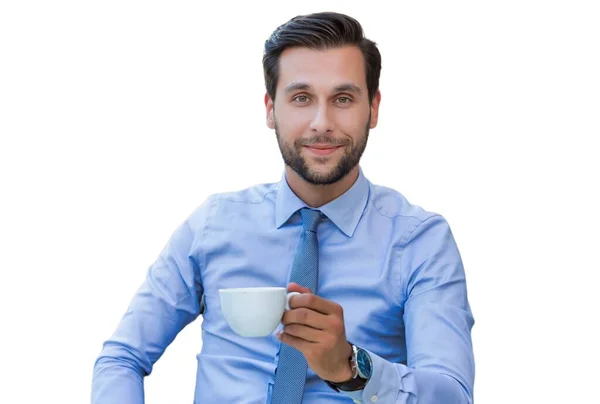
[(316, 196)]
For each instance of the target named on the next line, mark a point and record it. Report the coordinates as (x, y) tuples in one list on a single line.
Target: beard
[(292, 156)]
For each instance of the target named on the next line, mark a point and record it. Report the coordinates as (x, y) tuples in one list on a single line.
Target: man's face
[(321, 114)]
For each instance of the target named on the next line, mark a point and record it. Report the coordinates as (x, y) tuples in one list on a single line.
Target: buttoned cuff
[(384, 384)]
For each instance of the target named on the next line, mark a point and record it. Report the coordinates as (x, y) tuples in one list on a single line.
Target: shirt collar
[(344, 211)]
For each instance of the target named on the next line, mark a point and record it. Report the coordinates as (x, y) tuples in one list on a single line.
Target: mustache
[(321, 140)]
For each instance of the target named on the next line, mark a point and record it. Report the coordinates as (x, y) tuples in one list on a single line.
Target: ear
[(270, 111), (375, 109)]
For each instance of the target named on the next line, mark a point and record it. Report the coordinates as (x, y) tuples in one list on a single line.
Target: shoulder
[(254, 194), (224, 203), (391, 203), (408, 218)]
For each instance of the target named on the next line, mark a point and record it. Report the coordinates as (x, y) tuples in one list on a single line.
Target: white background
[(118, 118)]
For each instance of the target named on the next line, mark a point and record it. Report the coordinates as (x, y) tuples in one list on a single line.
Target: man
[(383, 315)]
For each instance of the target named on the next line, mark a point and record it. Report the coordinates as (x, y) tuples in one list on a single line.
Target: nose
[(322, 122)]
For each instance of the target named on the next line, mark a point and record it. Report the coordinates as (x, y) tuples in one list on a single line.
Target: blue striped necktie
[(290, 375)]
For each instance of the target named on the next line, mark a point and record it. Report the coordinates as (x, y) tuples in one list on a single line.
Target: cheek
[(352, 122), (293, 123)]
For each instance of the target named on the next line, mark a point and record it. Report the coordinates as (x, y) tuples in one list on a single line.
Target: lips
[(322, 150)]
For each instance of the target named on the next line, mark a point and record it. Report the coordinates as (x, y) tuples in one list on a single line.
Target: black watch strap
[(357, 383)]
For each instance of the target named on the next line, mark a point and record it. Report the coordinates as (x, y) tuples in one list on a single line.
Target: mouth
[(322, 150)]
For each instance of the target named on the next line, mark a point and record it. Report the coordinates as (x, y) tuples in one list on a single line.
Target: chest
[(363, 276)]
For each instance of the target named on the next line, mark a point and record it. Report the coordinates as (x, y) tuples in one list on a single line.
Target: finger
[(298, 343), (306, 333), (294, 287), (315, 303), (307, 317)]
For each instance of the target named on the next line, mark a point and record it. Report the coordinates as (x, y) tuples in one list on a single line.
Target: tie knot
[(310, 219)]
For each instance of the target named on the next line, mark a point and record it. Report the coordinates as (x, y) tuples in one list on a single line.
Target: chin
[(322, 170), (321, 177)]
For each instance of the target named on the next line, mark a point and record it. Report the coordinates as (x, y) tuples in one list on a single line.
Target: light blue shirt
[(393, 267)]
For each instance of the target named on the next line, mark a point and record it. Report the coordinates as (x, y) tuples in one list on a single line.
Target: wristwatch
[(362, 368)]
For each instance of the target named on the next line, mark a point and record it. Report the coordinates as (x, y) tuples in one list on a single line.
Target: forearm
[(166, 302), (128, 356), (117, 381), (399, 384)]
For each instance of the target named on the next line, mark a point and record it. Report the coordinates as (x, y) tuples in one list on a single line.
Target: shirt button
[(357, 401), (373, 399)]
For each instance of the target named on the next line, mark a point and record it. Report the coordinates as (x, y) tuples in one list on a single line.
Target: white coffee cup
[(254, 312)]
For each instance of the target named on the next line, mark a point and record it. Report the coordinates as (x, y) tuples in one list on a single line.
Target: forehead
[(322, 68)]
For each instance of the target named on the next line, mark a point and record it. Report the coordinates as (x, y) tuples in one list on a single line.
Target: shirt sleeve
[(440, 364), (166, 302)]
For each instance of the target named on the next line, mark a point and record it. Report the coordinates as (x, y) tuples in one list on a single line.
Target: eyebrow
[(346, 87)]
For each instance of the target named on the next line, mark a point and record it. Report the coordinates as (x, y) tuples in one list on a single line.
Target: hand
[(315, 327)]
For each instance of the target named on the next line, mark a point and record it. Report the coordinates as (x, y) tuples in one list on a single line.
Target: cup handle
[(287, 299)]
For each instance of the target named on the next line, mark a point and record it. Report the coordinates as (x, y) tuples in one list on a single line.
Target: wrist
[(361, 368), (346, 372)]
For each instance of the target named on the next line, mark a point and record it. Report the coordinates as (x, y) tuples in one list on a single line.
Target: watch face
[(363, 362)]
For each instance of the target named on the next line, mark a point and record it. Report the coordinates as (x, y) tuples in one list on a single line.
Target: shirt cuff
[(384, 384)]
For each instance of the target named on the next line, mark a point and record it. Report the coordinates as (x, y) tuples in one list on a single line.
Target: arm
[(166, 302), (440, 364)]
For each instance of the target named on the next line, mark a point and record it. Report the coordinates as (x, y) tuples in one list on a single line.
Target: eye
[(344, 100), (301, 99)]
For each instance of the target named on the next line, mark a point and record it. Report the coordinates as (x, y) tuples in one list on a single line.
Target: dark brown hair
[(320, 31)]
